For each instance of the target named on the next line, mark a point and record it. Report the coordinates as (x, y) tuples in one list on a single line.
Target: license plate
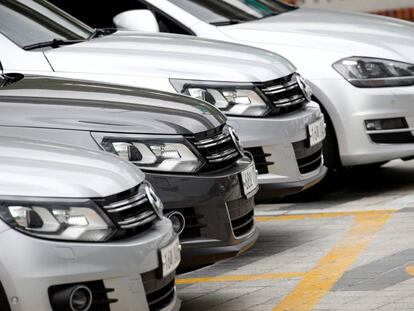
[(249, 180), (170, 257), (317, 132)]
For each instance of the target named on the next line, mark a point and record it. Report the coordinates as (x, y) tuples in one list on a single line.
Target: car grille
[(218, 148), (131, 211), (308, 159), (393, 138), (242, 216), (285, 94), (160, 292), (260, 159)]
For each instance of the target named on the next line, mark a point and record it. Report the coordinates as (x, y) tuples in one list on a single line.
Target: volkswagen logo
[(305, 88), (154, 200), (236, 140)]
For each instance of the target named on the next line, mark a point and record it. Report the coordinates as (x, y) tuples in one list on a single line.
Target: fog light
[(386, 124), (75, 298), (178, 221)]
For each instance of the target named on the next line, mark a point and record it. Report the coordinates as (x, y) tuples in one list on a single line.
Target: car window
[(27, 22), (88, 14), (108, 9), (225, 11)]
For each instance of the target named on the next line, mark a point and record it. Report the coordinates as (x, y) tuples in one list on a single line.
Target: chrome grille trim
[(135, 211), (210, 142), (294, 100), (281, 88), (220, 149), (286, 94), (140, 220), (223, 156)]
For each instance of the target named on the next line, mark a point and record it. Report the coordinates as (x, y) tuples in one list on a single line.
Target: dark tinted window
[(222, 11), (27, 22), (108, 9), (97, 13)]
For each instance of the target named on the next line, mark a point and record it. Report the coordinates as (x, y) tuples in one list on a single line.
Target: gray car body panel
[(47, 102), (36, 168)]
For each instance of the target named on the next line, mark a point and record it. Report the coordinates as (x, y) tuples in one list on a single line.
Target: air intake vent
[(160, 292)]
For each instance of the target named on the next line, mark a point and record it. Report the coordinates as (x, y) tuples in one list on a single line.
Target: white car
[(359, 66), (266, 100)]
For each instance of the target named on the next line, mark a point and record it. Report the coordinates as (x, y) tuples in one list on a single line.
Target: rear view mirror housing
[(137, 20)]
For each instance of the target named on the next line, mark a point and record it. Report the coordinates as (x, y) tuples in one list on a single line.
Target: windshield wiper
[(55, 43), (227, 22), (101, 32)]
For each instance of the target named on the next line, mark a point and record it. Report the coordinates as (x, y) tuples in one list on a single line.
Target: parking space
[(352, 249)]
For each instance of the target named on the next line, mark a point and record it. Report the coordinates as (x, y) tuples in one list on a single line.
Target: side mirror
[(137, 20)]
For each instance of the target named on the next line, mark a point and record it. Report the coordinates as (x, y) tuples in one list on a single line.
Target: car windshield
[(27, 22), (222, 12)]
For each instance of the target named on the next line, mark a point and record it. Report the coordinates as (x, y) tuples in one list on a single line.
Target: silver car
[(267, 102), (62, 245)]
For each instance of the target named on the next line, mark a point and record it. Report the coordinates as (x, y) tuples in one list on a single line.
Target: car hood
[(47, 102), (347, 33), (40, 169), (169, 56)]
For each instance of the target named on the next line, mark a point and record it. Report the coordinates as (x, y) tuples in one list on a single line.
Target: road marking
[(410, 270), (242, 278), (322, 215), (319, 281)]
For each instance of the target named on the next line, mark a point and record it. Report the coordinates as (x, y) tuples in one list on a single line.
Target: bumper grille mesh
[(241, 216), (309, 159)]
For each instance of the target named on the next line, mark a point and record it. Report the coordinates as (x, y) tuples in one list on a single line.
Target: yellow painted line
[(410, 270), (322, 215), (319, 281), (241, 278)]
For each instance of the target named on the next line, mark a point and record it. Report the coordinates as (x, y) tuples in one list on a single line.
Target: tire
[(330, 147)]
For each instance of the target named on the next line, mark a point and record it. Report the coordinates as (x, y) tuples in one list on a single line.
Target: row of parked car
[(87, 109)]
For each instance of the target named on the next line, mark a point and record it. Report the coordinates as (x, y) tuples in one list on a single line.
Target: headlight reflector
[(75, 220), (373, 72), (153, 153), (233, 100)]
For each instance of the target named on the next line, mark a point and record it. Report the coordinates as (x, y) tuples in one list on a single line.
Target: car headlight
[(153, 153), (57, 219), (233, 100), (374, 72)]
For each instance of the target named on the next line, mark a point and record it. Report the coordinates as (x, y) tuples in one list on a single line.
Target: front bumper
[(350, 107), (219, 217), (31, 266), (274, 141)]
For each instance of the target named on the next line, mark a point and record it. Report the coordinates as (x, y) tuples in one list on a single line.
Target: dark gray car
[(189, 154)]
